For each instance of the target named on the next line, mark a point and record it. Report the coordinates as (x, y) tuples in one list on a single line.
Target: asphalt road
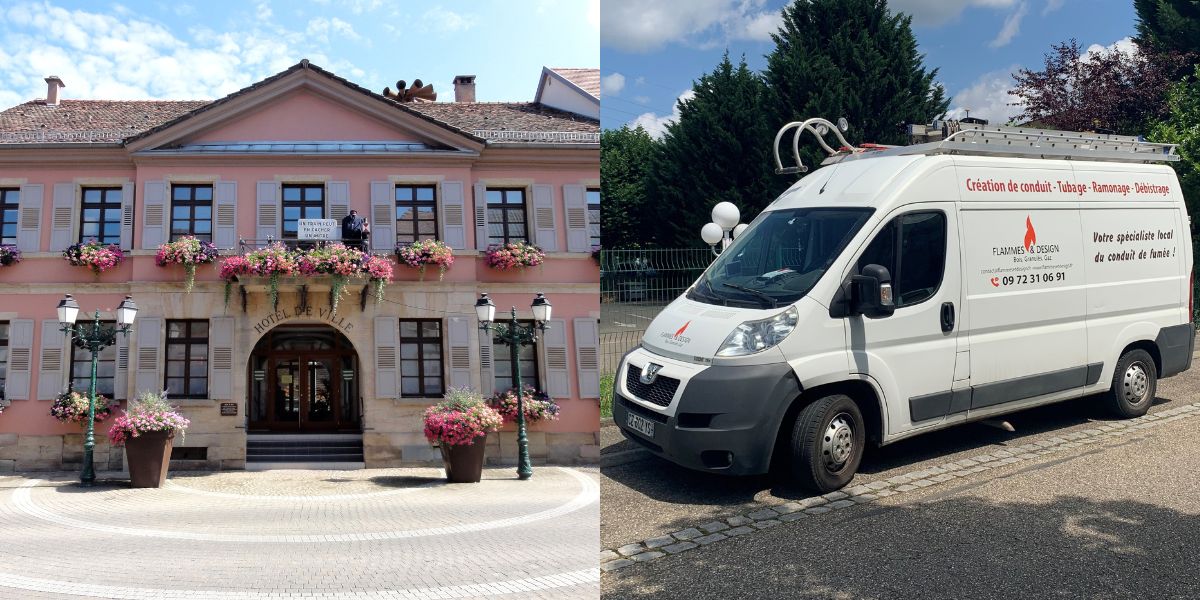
[(1112, 520)]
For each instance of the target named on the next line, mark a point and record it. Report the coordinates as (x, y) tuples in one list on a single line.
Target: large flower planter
[(149, 457), (464, 464)]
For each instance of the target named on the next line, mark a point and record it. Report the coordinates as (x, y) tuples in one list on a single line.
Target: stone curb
[(773, 515)]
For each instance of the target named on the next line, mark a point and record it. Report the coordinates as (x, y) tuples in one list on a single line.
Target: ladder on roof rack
[(983, 140)]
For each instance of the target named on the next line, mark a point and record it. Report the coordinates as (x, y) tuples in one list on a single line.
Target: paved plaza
[(379, 533)]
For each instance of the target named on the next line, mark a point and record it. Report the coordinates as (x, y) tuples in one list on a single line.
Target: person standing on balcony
[(355, 230)]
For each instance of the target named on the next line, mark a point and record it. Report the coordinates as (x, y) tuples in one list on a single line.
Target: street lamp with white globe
[(724, 227)]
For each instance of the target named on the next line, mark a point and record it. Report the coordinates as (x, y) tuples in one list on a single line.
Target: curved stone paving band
[(514, 586), (171, 485), (589, 493)]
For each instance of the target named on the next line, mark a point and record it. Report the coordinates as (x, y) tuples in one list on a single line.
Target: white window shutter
[(53, 359), (20, 359), (554, 355), (458, 335), (154, 215), (545, 235), (387, 357), (149, 355), (487, 373), (225, 214), (587, 356), (268, 217), (454, 231), (29, 220), (339, 203), (62, 218), (575, 204), (220, 358), (383, 217), (481, 217), (127, 216), (121, 373)]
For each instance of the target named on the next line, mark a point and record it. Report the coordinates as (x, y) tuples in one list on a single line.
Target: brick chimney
[(53, 84), (464, 88)]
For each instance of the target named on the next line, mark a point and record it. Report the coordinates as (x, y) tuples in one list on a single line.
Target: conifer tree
[(625, 156)]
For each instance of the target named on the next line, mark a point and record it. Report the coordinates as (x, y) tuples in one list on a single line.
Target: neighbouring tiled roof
[(116, 121), (588, 79), (513, 121), (88, 121)]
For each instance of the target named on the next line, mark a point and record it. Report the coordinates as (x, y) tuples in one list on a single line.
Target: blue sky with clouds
[(651, 51), (199, 49)]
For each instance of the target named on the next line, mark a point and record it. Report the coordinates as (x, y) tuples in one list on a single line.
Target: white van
[(904, 290)]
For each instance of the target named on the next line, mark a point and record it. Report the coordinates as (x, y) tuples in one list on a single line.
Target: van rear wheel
[(1134, 383), (827, 443)]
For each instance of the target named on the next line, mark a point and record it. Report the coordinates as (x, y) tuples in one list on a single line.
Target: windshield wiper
[(770, 300), (710, 294)]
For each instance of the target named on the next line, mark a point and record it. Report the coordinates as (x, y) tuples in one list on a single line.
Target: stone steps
[(304, 451)]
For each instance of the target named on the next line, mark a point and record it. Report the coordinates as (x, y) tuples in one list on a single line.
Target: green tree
[(718, 150), (625, 156), (1182, 127), (853, 59), (1165, 26)]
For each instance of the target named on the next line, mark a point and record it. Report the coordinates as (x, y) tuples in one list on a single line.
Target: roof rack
[(983, 140)]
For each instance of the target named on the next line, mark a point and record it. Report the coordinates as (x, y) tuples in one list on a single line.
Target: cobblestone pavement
[(379, 533)]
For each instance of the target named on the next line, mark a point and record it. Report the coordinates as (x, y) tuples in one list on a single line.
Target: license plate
[(640, 424)]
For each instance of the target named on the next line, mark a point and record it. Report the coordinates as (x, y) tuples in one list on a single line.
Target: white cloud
[(642, 99), (612, 84), (104, 56), (987, 98), (1125, 45), (446, 21), (321, 27), (1011, 27), (263, 11), (934, 13), (1052, 5), (646, 25), (655, 125)]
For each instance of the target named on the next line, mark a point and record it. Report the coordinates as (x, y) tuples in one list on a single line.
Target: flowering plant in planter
[(9, 255), (231, 269), (460, 419), (72, 407), (379, 270), (335, 259), (423, 253), (148, 413), (94, 255), (189, 252), (538, 405), (514, 255)]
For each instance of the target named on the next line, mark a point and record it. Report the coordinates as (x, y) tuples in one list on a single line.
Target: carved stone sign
[(323, 313)]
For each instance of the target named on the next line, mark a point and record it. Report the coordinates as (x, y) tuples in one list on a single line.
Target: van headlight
[(756, 336)]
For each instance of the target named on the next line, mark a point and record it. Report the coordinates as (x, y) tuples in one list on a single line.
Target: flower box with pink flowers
[(459, 426), (147, 430), (94, 255)]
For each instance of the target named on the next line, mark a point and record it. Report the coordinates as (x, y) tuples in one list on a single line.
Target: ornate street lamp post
[(514, 336), (93, 339)]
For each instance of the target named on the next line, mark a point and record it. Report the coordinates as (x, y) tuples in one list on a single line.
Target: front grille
[(660, 393)]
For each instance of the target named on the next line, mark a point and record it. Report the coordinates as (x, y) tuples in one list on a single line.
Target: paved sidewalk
[(380, 533)]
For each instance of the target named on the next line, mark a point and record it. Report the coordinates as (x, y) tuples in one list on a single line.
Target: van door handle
[(947, 316)]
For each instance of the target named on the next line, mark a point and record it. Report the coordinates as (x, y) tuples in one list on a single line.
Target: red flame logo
[(1030, 234), (682, 329)]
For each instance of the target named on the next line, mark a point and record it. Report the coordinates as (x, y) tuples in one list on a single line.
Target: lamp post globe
[(127, 311), (726, 215), (541, 308), (739, 229), (485, 309), (711, 234), (68, 310)]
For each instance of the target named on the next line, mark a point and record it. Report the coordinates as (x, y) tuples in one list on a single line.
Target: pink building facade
[(269, 384)]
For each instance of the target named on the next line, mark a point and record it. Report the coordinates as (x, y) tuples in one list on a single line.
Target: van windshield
[(779, 258)]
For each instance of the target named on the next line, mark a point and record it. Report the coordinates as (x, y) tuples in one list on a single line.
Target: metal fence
[(635, 285)]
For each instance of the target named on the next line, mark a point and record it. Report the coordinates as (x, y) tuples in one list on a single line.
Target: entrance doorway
[(304, 378)]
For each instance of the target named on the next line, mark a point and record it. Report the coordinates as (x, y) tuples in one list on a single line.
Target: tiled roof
[(84, 121), (511, 121), (588, 79)]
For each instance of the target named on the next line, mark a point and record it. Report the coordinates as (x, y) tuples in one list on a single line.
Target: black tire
[(1134, 384), (825, 455)]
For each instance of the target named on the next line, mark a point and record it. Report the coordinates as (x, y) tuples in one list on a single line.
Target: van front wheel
[(827, 443), (1134, 384)]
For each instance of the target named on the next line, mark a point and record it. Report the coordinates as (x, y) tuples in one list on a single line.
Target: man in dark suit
[(355, 230)]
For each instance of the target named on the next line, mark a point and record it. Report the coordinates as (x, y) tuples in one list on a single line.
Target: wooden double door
[(304, 390)]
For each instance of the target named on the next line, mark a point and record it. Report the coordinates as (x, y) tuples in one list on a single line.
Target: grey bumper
[(726, 420)]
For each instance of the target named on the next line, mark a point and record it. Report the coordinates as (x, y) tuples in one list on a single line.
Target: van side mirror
[(871, 292)]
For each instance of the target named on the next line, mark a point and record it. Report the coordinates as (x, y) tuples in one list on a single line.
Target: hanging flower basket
[(538, 406), (379, 269), (72, 407), (94, 255), (337, 261), (9, 255), (514, 255), (424, 253), (189, 252)]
